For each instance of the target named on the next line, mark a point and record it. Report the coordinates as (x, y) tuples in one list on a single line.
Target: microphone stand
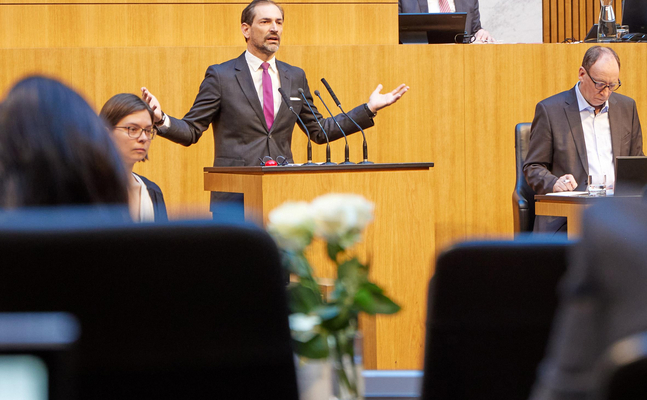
[(328, 162), (346, 151), (288, 103), (364, 144)]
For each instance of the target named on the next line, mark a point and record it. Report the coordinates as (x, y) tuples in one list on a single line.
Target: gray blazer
[(471, 7), (228, 101), (557, 145)]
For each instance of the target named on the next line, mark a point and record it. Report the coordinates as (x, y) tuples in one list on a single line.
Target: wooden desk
[(571, 208), (399, 243)]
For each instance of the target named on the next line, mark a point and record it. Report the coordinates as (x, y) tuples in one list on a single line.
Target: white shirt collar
[(584, 105), (255, 62)]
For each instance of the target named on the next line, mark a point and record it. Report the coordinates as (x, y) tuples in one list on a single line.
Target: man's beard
[(269, 49)]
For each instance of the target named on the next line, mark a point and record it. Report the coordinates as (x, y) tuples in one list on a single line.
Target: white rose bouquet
[(323, 327)]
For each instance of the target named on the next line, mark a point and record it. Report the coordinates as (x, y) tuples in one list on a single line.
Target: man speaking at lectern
[(240, 98)]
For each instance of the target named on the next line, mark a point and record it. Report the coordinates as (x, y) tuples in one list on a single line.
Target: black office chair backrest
[(183, 310), (490, 309), (523, 197)]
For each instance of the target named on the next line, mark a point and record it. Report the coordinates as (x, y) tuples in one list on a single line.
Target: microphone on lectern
[(288, 103), (346, 152), (328, 162), (364, 145)]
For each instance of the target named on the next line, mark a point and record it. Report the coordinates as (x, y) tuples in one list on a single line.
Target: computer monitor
[(417, 28), (631, 175), (634, 14)]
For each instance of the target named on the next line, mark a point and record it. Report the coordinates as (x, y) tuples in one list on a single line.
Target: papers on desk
[(568, 194)]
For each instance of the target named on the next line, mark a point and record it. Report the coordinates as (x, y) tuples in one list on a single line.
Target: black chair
[(523, 197), (182, 310), (490, 309), (623, 370)]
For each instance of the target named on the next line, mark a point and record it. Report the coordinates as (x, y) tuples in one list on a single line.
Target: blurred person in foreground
[(55, 150), (602, 301), (130, 120)]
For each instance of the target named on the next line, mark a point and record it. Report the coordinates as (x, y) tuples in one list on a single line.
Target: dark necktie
[(268, 96)]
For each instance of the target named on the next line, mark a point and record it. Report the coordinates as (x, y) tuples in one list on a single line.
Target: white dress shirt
[(254, 64), (146, 210), (434, 7), (597, 136)]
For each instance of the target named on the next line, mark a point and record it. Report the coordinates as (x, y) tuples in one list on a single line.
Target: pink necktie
[(268, 96), (444, 6)]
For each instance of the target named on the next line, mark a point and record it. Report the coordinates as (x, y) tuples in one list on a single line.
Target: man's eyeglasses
[(269, 161), (134, 132), (600, 86)]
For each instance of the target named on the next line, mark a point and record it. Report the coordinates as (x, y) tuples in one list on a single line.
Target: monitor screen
[(634, 14), (424, 28)]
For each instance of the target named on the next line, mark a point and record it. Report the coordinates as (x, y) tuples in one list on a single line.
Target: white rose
[(341, 218), (291, 225)]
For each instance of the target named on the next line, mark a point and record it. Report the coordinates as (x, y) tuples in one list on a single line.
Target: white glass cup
[(621, 30), (597, 185)]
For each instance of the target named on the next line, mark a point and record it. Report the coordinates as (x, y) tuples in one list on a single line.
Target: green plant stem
[(341, 371)]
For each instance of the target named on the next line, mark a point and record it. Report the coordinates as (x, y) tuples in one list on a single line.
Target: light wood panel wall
[(120, 24), (572, 19)]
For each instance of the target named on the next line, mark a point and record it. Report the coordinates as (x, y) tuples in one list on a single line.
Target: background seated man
[(579, 132)]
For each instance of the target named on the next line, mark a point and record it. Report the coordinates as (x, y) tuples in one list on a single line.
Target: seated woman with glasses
[(131, 122), (54, 150)]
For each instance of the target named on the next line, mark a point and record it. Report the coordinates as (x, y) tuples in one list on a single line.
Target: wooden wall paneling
[(582, 21), (560, 21), (564, 19), (568, 19), (193, 24), (546, 20), (553, 21)]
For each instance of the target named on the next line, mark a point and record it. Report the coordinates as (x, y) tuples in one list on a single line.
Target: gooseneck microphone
[(346, 152), (288, 103), (364, 145), (328, 162)]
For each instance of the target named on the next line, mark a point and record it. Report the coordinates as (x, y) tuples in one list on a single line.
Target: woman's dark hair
[(122, 105), (55, 150)]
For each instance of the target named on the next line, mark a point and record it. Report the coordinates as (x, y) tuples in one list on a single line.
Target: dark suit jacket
[(603, 300), (228, 100), (154, 191), (557, 144), (471, 7)]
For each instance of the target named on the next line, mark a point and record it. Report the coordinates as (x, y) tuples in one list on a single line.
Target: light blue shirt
[(597, 136)]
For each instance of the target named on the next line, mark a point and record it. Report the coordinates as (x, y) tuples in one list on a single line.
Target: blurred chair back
[(182, 310), (490, 309), (623, 370), (523, 197)]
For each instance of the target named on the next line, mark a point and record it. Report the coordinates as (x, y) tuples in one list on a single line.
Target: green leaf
[(317, 347), (374, 303), (350, 270), (341, 321), (333, 250), (327, 312), (303, 299), (297, 264)]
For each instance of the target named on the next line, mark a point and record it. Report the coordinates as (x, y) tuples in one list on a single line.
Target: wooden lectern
[(399, 243)]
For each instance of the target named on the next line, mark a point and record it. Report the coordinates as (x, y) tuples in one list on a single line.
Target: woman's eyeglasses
[(134, 132)]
